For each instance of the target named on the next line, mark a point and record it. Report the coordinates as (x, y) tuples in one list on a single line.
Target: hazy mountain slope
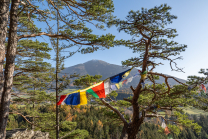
[(105, 69)]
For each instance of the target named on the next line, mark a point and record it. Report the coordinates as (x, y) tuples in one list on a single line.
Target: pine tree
[(33, 78), (151, 39), (74, 30)]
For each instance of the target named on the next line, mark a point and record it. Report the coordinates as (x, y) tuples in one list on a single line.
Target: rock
[(26, 134)]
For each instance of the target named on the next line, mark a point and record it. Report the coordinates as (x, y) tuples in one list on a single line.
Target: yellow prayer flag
[(83, 98), (117, 85), (126, 74), (143, 76)]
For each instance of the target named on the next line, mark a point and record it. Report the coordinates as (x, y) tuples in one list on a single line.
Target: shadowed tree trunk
[(124, 134), (9, 68), (4, 13)]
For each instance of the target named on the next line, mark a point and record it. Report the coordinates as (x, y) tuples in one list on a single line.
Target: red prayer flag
[(61, 99), (203, 87), (166, 131), (124, 81)]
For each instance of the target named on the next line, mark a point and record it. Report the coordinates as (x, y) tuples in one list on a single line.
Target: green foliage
[(87, 80), (113, 94)]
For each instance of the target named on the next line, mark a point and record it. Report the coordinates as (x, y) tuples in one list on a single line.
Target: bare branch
[(127, 100), (115, 110), (132, 89)]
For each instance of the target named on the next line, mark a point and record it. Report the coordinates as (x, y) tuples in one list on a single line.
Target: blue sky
[(191, 26)]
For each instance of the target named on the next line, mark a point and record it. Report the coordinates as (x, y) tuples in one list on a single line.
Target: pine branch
[(31, 122), (53, 36)]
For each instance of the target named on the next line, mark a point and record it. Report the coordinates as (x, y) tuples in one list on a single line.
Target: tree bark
[(4, 13), (124, 134), (9, 68)]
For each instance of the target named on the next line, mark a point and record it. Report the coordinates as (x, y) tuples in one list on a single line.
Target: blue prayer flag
[(117, 78), (73, 99)]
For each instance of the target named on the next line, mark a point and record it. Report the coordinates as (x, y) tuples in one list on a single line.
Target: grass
[(191, 110)]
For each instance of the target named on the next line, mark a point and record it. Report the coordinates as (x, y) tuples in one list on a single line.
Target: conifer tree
[(33, 77), (152, 40), (73, 30)]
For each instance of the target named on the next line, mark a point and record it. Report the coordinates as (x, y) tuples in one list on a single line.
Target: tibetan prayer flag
[(83, 98), (163, 124), (203, 87), (124, 81), (143, 76), (117, 78), (166, 131), (61, 99), (101, 89), (129, 80), (72, 99), (78, 98), (117, 85), (120, 84), (113, 87), (136, 75), (145, 72), (143, 85)]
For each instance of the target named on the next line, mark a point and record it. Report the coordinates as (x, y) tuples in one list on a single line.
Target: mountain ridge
[(107, 70)]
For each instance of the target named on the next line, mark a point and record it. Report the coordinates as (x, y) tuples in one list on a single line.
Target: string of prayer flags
[(78, 98), (117, 78)]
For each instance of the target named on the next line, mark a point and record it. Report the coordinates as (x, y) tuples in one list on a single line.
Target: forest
[(99, 125), (31, 89)]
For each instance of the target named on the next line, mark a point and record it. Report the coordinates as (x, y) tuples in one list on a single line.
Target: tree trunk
[(33, 118), (130, 131), (124, 134), (9, 68), (4, 13)]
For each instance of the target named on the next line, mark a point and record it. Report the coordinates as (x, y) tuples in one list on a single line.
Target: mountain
[(105, 69)]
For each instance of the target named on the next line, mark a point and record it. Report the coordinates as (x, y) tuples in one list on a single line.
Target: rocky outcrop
[(26, 134)]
